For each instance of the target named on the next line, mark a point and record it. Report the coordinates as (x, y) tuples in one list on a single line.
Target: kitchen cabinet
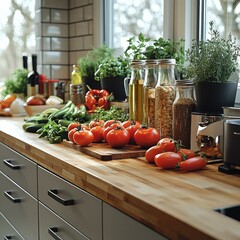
[(80, 209), (119, 226)]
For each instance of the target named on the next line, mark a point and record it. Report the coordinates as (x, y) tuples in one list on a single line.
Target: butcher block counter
[(177, 205)]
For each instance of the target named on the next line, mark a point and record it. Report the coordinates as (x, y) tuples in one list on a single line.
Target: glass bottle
[(164, 97), (150, 81), (75, 76), (135, 90), (183, 105)]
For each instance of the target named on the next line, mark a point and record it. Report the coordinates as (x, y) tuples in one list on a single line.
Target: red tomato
[(83, 137), (129, 123), (73, 125), (109, 128), (94, 123), (147, 137), (118, 137), (110, 122), (167, 160), (132, 129), (186, 153), (193, 164), (152, 152), (70, 134), (168, 145), (98, 133)]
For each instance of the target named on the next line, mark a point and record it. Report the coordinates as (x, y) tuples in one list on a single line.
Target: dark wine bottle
[(33, 78), (25, 62)]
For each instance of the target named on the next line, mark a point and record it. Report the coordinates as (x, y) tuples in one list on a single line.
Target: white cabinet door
[(119, 226)]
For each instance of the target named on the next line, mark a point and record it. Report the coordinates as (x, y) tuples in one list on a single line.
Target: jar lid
[(137, 63), (151, 62), (184, 82), (167, 61)]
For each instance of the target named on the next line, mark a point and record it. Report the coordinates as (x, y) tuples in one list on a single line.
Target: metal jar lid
[(167, 61)]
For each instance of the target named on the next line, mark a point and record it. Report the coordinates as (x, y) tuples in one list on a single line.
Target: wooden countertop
[(177, 205)]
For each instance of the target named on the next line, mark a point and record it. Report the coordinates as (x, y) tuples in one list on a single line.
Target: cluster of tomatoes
[(7, 101), (117, 134), (169, 154)]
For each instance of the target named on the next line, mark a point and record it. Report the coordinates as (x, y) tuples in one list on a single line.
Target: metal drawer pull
[(7, 237), (9, 164), (8, 194), (53, 193), (52, 231)]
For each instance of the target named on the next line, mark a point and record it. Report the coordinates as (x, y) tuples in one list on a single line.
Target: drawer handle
[(7, 237), (52, 231), (8, 162), (8, 194), (53, 193)]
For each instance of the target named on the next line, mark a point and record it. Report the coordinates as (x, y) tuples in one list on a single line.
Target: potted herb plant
[(112, 72), (211, 65), (89, 64)]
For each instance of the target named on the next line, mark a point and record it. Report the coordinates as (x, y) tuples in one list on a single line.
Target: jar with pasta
[(183, 105), (150, 81), (135, 90), (164, 97)]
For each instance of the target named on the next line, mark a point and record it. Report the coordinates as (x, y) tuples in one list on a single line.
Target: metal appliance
[(207, 135), (231, 156)]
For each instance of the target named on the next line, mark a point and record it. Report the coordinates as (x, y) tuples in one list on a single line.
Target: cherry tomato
[(118, 137), (83, 137), (152, 152), (73, 125), (98, 133), (167, 160), (147, 137), (70, 134), (193, 164), (186, 153)]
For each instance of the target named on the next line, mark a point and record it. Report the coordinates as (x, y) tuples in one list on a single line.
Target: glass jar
[(183, 105), (164, 97), (135, 90), (150, 81)]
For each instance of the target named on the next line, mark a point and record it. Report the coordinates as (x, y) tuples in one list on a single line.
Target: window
[(127, 18), (16, 34)]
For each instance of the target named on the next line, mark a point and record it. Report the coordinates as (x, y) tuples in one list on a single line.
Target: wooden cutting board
[(104, 151)]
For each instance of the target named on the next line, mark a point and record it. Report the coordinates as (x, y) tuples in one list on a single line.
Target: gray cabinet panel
[(20, 208), (119, 226), (19, 169), (86, 212), (7, 231), (50, 223)]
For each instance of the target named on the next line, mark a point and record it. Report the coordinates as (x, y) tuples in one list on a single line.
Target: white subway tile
[(59, 44), (45, 69), (76, 15), (72, 30), (82, 28), (88, 12), (38, 30), (88, 42), (81, 2), (76, 43), (90, 27), (55, 57), (55, 30), (45, 15), (59, 16), (60, 72), (63, 4), (46, 43)]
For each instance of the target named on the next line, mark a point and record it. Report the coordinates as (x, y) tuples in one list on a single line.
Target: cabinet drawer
[(20, 208), (52, 226), (119, 226), (7, 231), (77, 207), (19, 169)]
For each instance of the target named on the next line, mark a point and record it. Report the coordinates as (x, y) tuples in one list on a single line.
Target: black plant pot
[(115, 85), (212, 97), (91, 82)]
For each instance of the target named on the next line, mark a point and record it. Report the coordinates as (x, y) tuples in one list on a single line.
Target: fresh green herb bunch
[(112, 67), (136, 47), (89, 63), (213, 60), (16, 83)]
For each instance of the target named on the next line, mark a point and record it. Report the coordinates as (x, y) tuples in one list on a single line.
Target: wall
[(64, 33)]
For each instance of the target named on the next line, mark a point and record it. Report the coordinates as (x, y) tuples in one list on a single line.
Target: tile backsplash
[(64, 32)]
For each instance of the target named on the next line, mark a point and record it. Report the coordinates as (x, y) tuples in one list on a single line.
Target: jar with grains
[(135, 90), (164, 97), (183, 105), (150, 81)]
